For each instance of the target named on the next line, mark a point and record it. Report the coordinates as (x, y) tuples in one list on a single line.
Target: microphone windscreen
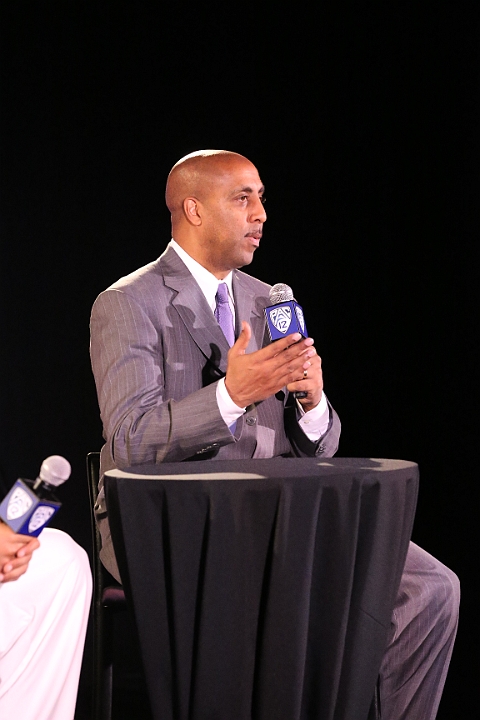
[(55, 470), (280, 293)]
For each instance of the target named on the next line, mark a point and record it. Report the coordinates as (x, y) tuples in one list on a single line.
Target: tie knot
[(222, 294)]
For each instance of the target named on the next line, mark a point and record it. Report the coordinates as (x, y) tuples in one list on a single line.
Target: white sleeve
[(314, 423), (229, 411)]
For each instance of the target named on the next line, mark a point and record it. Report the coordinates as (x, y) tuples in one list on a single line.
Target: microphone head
[(55, 470), (280, 293)]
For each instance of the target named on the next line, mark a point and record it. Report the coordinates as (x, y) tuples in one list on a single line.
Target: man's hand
[(15, 553), (256, 376), (312, 384)]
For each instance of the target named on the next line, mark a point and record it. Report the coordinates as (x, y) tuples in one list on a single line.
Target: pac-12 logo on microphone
[(19, 503), (281, 318), (300, 318), (42, 514)]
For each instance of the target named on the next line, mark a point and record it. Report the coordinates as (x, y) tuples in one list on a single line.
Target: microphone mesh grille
[(280, 293), (55, 470)]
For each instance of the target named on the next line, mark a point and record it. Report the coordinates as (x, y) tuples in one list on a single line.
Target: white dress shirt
[(314, 423)]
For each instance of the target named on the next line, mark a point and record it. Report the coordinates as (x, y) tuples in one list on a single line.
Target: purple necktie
[(223, 313)]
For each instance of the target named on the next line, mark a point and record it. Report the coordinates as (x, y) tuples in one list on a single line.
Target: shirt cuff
[(314, 423), (229, 411)]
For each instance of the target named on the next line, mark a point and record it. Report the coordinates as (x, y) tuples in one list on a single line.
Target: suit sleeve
[(141, 426), (302, 446)]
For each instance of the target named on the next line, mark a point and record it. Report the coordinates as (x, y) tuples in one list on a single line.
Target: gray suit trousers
[(424, 625)]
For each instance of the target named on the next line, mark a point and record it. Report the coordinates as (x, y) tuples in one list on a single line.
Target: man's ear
[(192, 210)]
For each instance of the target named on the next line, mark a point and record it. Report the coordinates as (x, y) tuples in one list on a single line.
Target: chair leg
[(107, 670), (102, 663)]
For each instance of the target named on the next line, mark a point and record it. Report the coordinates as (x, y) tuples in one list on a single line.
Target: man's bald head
[(216, 201), (196, 174)]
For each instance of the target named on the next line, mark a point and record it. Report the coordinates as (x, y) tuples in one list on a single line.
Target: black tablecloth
[(262, 589)]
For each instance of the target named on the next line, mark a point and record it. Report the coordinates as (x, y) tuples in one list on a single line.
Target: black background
[(364, 126)]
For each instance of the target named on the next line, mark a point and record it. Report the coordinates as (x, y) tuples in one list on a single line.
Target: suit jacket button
[(251, 420)]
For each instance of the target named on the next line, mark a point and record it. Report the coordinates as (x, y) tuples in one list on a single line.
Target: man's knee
[(429, 590), (440, 587), (448, 596)]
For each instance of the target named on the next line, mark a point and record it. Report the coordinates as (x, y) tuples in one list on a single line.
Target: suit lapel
[(193, 309), (247, 308)]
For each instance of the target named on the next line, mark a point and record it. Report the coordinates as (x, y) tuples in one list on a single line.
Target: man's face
[(232, 217)]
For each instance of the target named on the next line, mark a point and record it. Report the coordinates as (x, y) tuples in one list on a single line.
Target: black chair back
[(108, 598)]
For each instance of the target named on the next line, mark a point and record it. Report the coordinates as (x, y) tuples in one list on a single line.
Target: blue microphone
[(284, 317), (30, 505)]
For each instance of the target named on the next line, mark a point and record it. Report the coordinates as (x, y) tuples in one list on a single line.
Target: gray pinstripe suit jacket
[(157, 352)]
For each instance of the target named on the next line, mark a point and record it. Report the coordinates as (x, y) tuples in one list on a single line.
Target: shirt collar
[(208, 283)]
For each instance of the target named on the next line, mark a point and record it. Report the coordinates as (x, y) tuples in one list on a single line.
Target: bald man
[(184, 370), (171, 387)]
